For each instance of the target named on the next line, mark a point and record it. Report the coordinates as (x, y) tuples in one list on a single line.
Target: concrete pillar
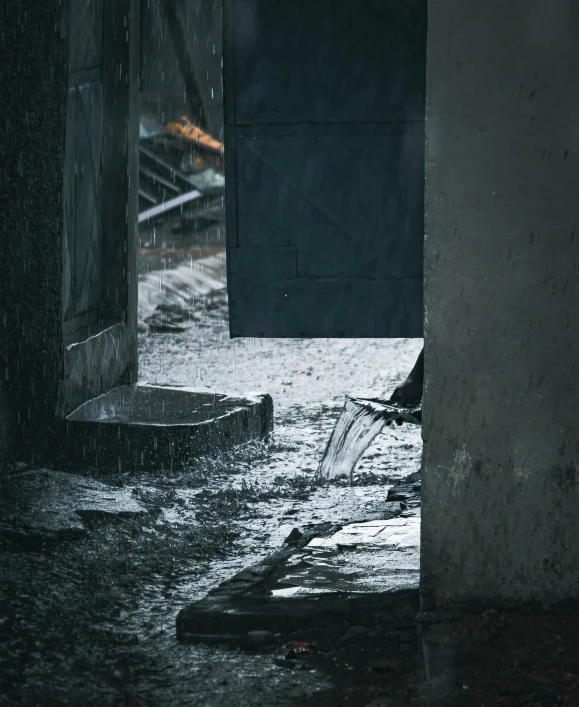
[(69, 109), (501, 420), (33, 85)]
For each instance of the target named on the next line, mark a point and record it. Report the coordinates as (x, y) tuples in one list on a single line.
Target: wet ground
[(92, 620), (89, 618)]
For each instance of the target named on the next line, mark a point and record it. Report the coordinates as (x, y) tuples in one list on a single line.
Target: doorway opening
[(184, 317)]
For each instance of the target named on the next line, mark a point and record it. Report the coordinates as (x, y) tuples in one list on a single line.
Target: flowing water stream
[(360, 422)]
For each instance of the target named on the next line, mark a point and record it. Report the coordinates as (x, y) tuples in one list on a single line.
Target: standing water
[(360, 421)]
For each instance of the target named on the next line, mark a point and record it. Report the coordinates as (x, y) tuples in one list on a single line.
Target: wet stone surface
[(157, 427), (92, 621), (156, 406), (41, 505)]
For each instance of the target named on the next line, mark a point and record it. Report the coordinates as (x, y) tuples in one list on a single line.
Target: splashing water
[(360, 421)]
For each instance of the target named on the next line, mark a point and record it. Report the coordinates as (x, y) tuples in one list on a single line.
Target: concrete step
[(323, 575), (149, 427)]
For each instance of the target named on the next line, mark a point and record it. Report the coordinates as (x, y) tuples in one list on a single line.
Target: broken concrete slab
[(407, 493), (326, 574), (375, 556), (42, 504), (156, 427)]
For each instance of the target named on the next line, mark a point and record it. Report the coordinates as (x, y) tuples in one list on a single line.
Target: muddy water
[(92, 622)]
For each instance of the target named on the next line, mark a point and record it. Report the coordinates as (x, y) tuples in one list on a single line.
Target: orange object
[(185, 129)]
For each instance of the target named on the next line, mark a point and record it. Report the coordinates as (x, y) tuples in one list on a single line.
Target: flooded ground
[(92, 621)]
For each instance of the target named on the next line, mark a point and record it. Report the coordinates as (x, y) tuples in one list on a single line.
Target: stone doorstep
[(233, 621), (271, 597), (158, 427)]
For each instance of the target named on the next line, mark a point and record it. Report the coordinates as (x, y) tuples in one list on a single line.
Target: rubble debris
[(296, 655), (192, 290), (170, 317), (150, 127), (297, 650), (43, 504), (210, 183), (293, 536), (162, 166), (179, 164)]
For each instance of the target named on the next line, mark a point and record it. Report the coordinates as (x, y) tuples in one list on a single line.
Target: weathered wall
[(48, 52), (33, 83), (501, 430)]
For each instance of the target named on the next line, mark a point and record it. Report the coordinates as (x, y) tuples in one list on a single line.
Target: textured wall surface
[(501, 430), (37, 70), (33, 84)]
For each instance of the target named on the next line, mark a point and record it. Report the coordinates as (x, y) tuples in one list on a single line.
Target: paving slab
[(325, 574), (42, 504), (152, 427)]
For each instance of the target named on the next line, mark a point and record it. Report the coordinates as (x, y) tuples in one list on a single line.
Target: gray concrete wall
[(501, 428), (33, 86), (43, 58)]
